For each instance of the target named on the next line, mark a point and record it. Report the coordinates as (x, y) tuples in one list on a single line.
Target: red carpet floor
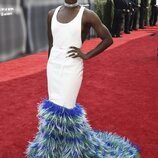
[(119, 92)]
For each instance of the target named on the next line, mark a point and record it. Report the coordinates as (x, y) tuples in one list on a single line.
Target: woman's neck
[(70, 1), (70, 5)]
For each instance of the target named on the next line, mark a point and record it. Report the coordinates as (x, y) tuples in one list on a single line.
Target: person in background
[(128, 13), (154, 12), (147, 12), (143, 7), (119, 6), (135, 13)]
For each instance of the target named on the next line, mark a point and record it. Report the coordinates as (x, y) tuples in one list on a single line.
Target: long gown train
[(66, 133)]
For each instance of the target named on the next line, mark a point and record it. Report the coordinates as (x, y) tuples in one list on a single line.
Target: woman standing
[(64, 131)]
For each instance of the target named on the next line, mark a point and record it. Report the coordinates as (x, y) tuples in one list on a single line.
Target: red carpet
[(119, 91)]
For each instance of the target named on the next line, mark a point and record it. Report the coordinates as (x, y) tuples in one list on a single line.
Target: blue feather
[(66, 133)]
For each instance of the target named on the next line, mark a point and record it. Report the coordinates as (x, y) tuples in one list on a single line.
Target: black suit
[(154, 13), (128, 12), (121, 4), (135, 13), (118, 16), (143, 7)]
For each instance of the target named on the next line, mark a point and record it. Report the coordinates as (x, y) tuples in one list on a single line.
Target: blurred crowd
[(130, 15)]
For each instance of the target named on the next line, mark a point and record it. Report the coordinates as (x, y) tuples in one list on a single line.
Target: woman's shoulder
[(51, 12), (50, 15), (89, 14)]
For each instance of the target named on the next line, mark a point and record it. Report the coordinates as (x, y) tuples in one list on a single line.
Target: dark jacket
[(153, 2), (135, 3), (144, 3), (121, 4)]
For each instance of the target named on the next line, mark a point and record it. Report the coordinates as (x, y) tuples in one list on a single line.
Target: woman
[(64, 131)]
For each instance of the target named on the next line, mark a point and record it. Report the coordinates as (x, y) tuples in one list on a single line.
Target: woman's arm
[(91, 19), (50, 38), (102, 33)]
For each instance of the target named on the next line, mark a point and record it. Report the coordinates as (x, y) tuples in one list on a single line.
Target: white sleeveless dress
[(64, 74), (64, 131)]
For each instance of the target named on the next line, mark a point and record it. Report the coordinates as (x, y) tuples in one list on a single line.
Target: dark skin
[(89, 19)]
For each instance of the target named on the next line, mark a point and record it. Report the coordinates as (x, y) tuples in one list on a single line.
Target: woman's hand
[(76, 52)]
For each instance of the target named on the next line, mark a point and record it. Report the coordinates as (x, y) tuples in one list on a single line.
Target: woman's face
[(71, 1)]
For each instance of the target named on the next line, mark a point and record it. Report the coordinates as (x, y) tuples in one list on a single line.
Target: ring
[(76, 53)]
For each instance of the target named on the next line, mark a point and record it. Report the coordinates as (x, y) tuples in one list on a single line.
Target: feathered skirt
[(66, 133)]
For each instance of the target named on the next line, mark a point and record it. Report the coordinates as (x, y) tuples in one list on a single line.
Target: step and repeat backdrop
[(12, 29)]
